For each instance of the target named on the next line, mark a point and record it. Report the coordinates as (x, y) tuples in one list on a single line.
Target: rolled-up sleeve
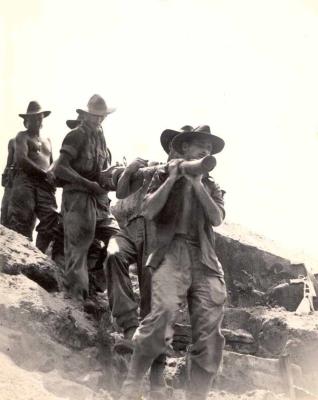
[(72, 144), (217, 194)]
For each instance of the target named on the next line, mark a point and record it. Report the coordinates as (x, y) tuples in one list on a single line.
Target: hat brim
[(45, 114), (166, 138), (109, 110), (73, 123), (216, 142)]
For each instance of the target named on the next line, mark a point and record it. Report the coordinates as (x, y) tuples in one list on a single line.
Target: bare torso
[(33, 154), (35, 148), (40, 151)]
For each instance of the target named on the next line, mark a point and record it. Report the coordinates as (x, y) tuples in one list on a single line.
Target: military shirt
[(88, 151), (164, 226)]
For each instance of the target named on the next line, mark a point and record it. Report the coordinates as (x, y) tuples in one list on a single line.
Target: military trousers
[(181, 276), (32, 198), (124, 249), (5, 206), (85, 218)]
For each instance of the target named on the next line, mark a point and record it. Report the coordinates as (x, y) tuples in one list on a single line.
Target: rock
[(240, 341), (19, 256), (242, 377), (252, 265), (236, 318), (251, 395), (242, 373), (50, 335), (276, 331), (20, 384), (285, 295), (65, 352), (236, 339), (238, 335), (175, 372), (24, 304)]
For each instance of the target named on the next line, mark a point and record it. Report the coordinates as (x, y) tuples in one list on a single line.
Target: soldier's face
[(173, 154), (34, 122), (196, 149), (94, 120)]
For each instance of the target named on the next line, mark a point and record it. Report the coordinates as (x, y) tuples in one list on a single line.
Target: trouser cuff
[(128, 321)]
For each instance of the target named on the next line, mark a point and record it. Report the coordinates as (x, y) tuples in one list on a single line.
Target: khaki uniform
[(125, 248), (85, 216), (185, 267)]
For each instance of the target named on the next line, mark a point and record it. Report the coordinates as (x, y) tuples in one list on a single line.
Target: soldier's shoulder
[(80, 129), (210, 181), (22, 135), (11, 143), (75, 134)]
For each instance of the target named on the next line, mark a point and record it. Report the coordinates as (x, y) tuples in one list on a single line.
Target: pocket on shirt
[(87, 162)]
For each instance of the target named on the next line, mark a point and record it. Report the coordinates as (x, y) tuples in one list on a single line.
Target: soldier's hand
[(96, 188), (194, 179), (173, 168), (136, 164)]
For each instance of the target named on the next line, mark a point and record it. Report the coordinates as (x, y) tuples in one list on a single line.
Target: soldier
[(182, 209), (128, 246), (33, 191), (85, 204), (97, 251)]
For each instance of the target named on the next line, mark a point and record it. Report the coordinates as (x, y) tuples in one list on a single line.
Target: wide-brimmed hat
[(73, 123), (169, 134), (202, 131), (34, 108), (97, 106)]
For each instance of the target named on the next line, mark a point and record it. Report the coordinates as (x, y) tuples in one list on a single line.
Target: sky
[(248, 69)]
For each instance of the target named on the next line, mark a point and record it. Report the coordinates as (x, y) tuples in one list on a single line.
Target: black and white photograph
[(159, 200)]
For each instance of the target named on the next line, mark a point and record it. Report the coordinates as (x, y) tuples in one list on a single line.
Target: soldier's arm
[(51, 152), (128, 183), (70, 150), (10, 158), (6, 179), (63, 170), (22, 158), (213, 210), (154, 202)]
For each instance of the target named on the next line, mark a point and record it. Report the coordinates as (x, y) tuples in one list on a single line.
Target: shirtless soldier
[(33, 192)]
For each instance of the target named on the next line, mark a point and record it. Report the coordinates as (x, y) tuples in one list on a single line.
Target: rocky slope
[(50, 348)]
